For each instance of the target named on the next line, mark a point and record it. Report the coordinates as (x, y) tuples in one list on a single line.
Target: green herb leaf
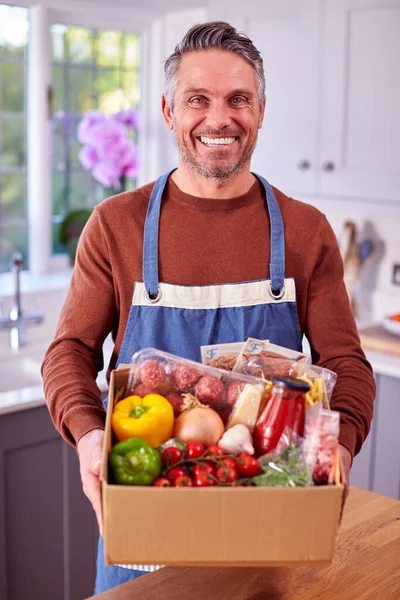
[(286, 469)]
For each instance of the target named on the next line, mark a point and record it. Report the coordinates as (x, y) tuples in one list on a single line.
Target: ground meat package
[(154, 371), (222, 356)]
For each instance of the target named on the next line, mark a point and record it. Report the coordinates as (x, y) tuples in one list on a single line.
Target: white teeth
[(217, 141)]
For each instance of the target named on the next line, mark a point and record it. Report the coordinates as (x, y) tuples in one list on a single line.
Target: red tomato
[(213, 451), (194, 450), (229, 462), (226, 474), (182, 481), (170, 456), (176, 472), (204, 468), (248, 466), (161, 482), (204, 480)]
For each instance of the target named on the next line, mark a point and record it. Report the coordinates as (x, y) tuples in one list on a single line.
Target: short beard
[(216, 173), (220, 174)]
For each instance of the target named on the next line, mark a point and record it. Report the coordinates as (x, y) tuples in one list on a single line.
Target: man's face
[(216, 114)]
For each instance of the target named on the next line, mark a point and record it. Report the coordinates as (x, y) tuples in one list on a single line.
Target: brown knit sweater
[(201, 242)]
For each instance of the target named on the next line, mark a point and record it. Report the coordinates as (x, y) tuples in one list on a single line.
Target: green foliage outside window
[(91, 69)]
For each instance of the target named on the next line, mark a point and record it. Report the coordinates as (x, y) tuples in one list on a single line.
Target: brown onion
[(199, 424)]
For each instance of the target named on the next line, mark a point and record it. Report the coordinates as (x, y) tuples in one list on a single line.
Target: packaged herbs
[(286, 469)]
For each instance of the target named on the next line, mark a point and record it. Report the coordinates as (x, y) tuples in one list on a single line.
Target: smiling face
[(216, 113)]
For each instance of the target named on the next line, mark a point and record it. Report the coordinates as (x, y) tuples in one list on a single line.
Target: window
[(14, 28), (91, 69)]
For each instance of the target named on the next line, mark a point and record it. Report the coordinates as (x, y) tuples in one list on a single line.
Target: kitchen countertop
[(366, 566), (383, 363), (31, 397)]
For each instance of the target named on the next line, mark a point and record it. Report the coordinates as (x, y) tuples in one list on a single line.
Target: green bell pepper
[(135, 462)]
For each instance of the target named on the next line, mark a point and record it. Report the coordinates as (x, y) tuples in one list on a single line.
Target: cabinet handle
[(328, 166), (304, 165)]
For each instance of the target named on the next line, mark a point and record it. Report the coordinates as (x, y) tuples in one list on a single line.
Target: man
[(211, 253)]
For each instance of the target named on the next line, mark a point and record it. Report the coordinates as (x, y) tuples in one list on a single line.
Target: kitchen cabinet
[(332, 124), (360, 117), (48, 532), (377, 467), (288, 38)]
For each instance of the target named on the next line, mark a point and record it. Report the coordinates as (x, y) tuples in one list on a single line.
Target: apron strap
[(150, 242), (150, 239), (277, 251)]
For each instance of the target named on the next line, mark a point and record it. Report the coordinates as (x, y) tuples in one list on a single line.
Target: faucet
[(17, 320)]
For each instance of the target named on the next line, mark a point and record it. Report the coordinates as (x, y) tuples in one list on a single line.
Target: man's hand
[(346, 460), (89, 449)]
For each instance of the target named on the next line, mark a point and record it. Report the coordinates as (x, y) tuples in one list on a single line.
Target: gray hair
[(214, 35)]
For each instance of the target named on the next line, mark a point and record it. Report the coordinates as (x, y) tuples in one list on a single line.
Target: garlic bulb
[(237, 439)]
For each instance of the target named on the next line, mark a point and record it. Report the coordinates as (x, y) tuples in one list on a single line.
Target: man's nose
[(218, 116)]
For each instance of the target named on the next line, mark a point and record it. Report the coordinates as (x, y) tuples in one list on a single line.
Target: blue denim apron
[(180, 319)]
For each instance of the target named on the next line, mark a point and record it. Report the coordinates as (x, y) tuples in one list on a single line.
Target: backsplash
[(376, 294)]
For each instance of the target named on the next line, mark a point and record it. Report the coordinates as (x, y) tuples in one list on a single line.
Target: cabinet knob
[(304, 165), (328, 166)]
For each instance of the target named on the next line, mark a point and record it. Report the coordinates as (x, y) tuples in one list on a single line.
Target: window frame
[(21, 221), (39, 190)]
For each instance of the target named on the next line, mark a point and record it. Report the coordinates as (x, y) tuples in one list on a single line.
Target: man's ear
[(262, 112), (167, 112)]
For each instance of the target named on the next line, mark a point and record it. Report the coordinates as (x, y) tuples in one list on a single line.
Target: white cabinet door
[(287, 33), (360, 120)]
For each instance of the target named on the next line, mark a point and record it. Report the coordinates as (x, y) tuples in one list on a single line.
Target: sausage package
[(236, 397), (264, 360)]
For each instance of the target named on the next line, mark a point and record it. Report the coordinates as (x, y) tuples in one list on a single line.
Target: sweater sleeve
[(335, 344), (74, 358)]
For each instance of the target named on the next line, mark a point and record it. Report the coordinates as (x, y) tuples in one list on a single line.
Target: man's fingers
[(91, 487), (90, 451), (96, 467)]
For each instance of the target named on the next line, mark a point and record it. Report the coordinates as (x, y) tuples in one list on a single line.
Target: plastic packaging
[(234, 396), (327, 447), (222, 356), (321, 381), (265, 361), (311, 434), (284, 467)]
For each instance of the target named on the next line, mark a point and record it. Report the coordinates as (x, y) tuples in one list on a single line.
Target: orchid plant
[(109, 152)]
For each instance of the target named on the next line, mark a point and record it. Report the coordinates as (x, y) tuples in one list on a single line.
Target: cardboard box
[(216, 526)]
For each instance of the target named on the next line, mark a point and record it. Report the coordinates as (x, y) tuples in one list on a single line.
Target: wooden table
[(366, 567)]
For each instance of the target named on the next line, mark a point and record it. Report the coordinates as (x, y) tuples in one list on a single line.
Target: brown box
[(216, 526)]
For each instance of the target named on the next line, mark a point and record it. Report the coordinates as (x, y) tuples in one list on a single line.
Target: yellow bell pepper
[(150, 418)]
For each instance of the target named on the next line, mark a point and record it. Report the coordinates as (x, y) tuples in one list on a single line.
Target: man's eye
[(238, 100), (196, 100)]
